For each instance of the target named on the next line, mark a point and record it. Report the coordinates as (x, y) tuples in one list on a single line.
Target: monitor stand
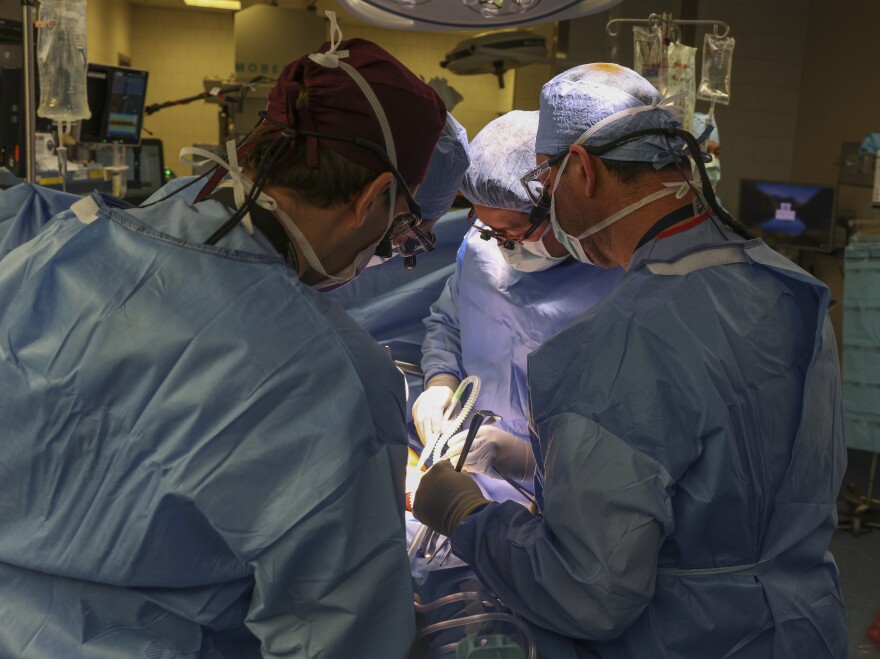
[(118, 171)]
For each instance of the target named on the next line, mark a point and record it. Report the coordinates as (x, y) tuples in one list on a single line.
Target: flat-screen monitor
[(116, 98), (791, 215), (146, 168)]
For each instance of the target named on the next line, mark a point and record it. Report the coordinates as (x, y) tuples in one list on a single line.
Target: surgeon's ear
[(372, 196), (580, 155)]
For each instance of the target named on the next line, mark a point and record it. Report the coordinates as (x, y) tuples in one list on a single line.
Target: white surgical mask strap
[(544, 232), (678, 189), (306, 248)]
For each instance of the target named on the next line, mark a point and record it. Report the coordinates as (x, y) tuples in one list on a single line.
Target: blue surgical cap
[(448, 164), (700, 119), (578, 99), (500, 153)]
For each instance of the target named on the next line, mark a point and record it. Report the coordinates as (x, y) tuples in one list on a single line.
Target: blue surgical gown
[(202, 457), (490, 317), (25, 209), (690, 445)]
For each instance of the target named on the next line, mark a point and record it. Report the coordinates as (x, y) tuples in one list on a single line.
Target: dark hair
[(335, 181), (628, 171)]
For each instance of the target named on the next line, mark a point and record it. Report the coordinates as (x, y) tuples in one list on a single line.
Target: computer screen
[(791, 215), (116, 98)]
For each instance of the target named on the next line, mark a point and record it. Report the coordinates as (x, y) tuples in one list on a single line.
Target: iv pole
[(28, 68)]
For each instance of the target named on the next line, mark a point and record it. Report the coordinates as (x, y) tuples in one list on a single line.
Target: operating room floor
[(858, 558)]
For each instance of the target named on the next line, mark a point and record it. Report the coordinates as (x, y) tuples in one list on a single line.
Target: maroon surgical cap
[(337, 106)]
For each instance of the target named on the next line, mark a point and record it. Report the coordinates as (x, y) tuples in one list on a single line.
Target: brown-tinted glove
[(445, 497)]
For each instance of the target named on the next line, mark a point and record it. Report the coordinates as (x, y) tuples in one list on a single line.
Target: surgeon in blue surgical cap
[(688, 429), (437, 192), (514, 286), (202, 455), (449, 162)]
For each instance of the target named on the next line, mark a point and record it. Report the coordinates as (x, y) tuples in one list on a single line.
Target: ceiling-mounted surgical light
[(490, 8), (521, 5), (233, 5), (470, 14)]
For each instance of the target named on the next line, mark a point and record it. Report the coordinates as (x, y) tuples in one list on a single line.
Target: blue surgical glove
[(445, 497)]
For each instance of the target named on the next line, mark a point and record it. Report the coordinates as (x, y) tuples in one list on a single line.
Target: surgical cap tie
[(331, 58), (666, 104), (237, 186), (240, 183)]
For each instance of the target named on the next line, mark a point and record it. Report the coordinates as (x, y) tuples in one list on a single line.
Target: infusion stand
[(29, 61)]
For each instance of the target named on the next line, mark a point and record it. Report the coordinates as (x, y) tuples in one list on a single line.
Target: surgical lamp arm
[(213, 93)]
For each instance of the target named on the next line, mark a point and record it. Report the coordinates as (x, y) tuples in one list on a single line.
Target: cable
[(694, 150), (182, 187), (708, 191), (267, 162)]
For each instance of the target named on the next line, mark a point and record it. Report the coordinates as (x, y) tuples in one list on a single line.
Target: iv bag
[(61, 60), (681, 76), (649, 56), (717, 62)]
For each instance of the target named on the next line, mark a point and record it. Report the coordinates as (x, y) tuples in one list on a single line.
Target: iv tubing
[(457, 597), (484, 617)]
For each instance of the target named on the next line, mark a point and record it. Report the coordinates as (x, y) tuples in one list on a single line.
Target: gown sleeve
[(587, 567)]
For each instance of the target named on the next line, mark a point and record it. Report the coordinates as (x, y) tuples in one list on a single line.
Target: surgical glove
[(445, 497), (429, 408), (493, 447)]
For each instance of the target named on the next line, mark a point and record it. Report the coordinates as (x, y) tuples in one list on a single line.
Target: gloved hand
[(493, 447), (445, 497), (430, 406)]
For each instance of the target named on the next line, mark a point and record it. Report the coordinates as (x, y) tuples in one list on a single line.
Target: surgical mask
[(573, 243), (713, 171), (531, 256)]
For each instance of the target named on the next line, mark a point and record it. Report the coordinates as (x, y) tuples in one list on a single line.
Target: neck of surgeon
[(590, 192), (308, 219), (330, 239)]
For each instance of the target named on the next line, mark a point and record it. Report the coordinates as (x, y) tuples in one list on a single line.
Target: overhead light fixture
[(470, 14), (497, 53), (233, 5)]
